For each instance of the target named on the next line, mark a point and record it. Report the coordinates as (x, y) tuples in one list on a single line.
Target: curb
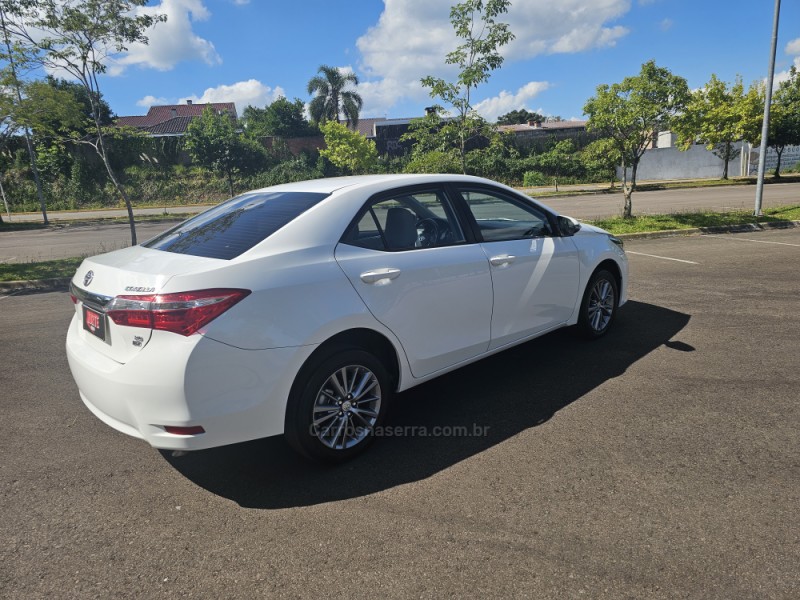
[(743, 228), (59, 284)]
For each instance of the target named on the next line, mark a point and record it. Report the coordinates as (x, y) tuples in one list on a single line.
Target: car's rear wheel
[(333, 414), (599, 305)]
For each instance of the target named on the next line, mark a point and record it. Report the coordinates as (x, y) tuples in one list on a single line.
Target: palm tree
[(331, 98)]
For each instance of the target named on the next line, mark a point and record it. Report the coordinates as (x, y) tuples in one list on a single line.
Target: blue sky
[(252, 51)]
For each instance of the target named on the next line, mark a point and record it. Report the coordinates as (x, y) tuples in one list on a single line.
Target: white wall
[(672, 163), (698, 163)]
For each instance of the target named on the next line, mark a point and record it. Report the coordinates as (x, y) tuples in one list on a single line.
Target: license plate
[(94, 322)]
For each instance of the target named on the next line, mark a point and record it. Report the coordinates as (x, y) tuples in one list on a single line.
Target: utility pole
[(762, 156)]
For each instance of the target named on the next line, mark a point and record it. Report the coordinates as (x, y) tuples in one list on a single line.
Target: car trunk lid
[(130, 272)]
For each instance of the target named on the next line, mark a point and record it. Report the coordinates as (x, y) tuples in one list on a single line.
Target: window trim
[(440, 189), (524, 202)]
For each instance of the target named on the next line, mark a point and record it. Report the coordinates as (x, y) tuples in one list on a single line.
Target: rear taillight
[(182, 313)]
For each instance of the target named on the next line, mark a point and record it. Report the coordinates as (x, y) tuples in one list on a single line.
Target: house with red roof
[(172, 120)]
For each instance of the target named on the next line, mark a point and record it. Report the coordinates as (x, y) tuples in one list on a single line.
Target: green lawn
[(648, 223), (666, 185), (63, 267)]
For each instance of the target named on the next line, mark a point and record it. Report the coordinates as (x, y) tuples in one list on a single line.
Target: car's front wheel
[(599, 305), (332, 416)]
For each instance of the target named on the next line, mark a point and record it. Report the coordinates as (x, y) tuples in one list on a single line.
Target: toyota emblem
[(87, 279)]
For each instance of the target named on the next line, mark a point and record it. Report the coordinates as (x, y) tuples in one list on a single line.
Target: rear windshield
[(235, 226)]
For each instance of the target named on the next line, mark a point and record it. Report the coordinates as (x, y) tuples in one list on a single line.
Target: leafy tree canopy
[(474, 22), (282, 118), (516, 117), (348, 149), (79, 37), (720, 115), (213, 142), (632, 111), (784, 123)]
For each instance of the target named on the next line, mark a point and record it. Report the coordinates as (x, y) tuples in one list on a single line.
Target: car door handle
[(377, 275), (502, 260)]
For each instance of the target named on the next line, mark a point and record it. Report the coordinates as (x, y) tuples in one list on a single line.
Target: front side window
[(501, 217), (405, 221), (235, 226)]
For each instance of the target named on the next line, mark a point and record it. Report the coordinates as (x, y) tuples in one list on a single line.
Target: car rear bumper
[(234, 395)]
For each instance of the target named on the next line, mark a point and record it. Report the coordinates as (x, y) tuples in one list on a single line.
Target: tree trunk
[(101, 151), (726, 156), (230, 183), (5, 201), (36, 178), (627, 191), (463, 148), (100, 148), (778, 164), (125, 198), (29, 143)]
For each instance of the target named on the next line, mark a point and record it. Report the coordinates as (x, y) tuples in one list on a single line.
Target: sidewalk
[(104, 213)]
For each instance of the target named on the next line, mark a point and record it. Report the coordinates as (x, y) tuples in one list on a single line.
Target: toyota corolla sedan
[(301, 309)]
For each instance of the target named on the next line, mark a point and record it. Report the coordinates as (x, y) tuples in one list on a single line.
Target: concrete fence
[(699, 163)]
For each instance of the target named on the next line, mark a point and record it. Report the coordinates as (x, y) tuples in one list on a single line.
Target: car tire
[(336, 405), (599, 305)]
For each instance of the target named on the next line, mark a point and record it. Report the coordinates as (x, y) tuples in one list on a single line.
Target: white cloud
[(412, 38), (505, 101), (241, 2), (251, 92), (792, 49), (666, 24), (171, 42), (149, 101)]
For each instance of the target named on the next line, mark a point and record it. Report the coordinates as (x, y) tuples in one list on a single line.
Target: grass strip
[(690, 220), (48, 269)]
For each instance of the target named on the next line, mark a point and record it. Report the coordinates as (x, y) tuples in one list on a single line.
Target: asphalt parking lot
[(660, 461)]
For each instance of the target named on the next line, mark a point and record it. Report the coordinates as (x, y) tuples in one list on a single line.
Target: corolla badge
[(87, 279)]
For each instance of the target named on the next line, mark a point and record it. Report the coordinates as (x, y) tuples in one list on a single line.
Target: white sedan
[(300, 309)]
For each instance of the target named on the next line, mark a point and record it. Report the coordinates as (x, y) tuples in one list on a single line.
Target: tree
[(13, 55), (214, 143), (784, 122), (631, 112), (331, 96), (282, 118), (602, 157), (79, 37), (479, 55), (520, 116), (348, 149), (719, 115), (56, 110)]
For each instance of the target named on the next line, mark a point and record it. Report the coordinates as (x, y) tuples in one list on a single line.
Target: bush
[(535, 178), (435, 161)]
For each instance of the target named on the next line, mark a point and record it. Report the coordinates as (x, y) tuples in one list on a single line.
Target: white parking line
[(9, 295), (740, 239), (6, 259), (680, 260)]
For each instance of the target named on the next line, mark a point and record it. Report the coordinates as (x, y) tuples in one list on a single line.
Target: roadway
[(86, 240), (658, 462)]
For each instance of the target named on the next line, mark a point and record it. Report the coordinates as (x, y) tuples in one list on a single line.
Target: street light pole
[(762, 155)]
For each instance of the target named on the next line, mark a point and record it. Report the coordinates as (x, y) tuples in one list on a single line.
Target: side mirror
[(568, 226)]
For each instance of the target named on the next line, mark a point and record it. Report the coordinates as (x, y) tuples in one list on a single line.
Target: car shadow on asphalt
[(490, 401)]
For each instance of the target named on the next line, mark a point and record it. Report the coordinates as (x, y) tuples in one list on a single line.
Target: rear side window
[(235, 226)]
